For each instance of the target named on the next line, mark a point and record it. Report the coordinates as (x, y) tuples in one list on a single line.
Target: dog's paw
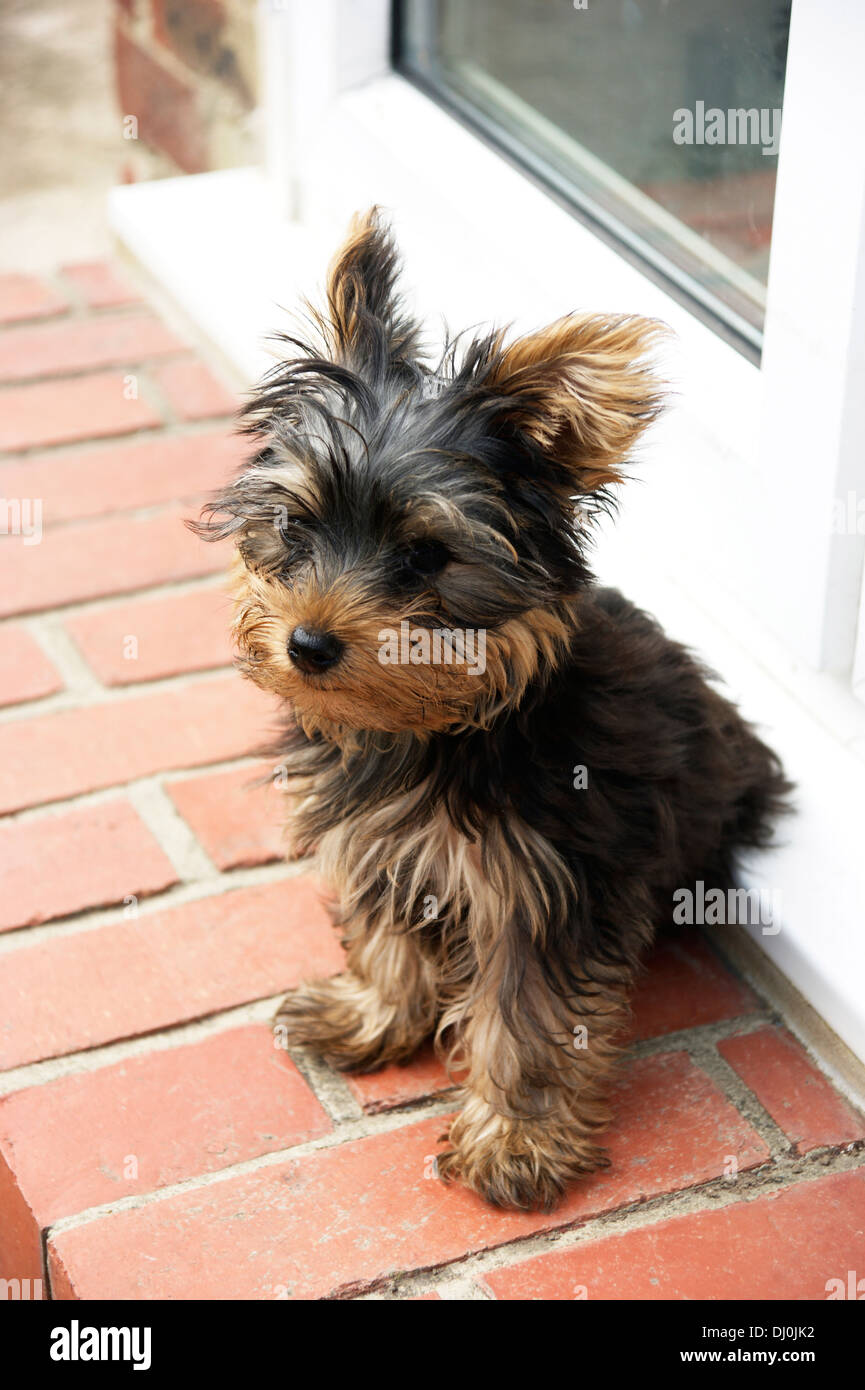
[(503, 1180), (519, 1163), (345, 1021)]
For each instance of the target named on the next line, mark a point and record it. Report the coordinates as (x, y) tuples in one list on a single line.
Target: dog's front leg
[(539, 1030), (379, 1010), (535, 1097)]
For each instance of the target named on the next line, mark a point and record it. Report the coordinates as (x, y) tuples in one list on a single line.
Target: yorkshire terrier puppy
[(506, 770)]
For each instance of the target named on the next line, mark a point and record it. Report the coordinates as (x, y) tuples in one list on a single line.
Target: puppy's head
[(408, 541)]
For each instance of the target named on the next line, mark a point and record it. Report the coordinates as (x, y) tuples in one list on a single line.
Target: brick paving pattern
[(155, 1139)]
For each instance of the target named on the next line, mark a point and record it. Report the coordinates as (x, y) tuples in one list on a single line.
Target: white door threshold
[(216, 246)]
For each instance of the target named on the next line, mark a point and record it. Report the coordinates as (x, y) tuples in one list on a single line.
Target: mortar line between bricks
[(138, 367), (42, 1073), (33, 702), (68, 287), (454, 1289), (173, 588), (104, 695), (350, 1122), (333, 1092), (44, 810), (97, 696), (64, 314), (684, 1039), (78, 677), (45, 446), (328, 1086), (159, 400), (739, 1094), (701, 1045), (178, 894), (132, 309), (177, 1035), (62, 611), (61, 278), (104, 443), (714, 1194), (175, 837), (143, 511), (82, 312), (339, 1104), (773, 1176), (159, 429), (366, 1126), (129, 367), (50, 276)]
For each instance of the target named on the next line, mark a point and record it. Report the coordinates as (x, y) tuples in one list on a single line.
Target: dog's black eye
[(426, 557), (294, 534), (294, 531)]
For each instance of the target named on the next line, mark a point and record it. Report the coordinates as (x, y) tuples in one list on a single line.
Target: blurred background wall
[(61, 140), (188, 69), (99, 92)]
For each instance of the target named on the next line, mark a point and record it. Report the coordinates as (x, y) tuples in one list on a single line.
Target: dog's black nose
[(313, 651)]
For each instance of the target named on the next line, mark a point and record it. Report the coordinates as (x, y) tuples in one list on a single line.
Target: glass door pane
[(657, 119)]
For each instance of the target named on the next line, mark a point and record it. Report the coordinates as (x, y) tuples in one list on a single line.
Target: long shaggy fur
[(483, 899)]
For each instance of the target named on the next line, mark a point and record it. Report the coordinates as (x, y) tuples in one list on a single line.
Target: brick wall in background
[(187, 84)]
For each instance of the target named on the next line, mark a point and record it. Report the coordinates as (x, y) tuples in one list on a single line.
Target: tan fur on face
[(363, 693)]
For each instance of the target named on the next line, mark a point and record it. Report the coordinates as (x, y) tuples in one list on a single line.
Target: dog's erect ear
[(583, 390), (368, 327)]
